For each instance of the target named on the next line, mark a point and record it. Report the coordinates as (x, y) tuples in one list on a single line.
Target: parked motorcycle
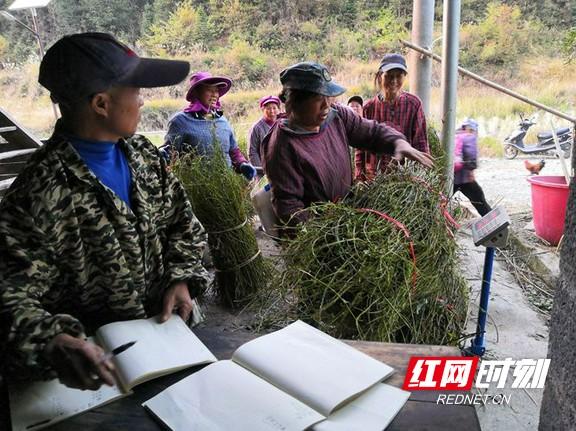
[(514, 143)]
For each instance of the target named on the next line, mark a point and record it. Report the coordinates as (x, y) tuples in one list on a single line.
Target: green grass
[(490, 147), (547, 80)]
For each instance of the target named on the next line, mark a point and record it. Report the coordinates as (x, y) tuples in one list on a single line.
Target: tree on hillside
[(498, 40), (292, 29), (3, 50), (569, 44), (556, 14), (187, 28), (156, 12), (119, 17), (21, 44)]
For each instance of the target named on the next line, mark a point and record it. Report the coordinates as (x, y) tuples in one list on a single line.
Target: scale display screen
[(491, 229)]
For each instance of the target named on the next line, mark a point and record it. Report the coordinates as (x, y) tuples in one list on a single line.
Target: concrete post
[(420, 77), (450, 46)]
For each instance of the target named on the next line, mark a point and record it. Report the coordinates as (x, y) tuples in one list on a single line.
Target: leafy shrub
[(499, 40), (3, 49), (569, 44), (185, 30), (244, 63), (388, 30)]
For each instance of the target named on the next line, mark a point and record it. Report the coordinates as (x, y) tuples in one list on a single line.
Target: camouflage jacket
[(73, 256)]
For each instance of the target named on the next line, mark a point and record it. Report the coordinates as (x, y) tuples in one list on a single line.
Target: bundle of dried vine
[(219, 198), (381, 265)]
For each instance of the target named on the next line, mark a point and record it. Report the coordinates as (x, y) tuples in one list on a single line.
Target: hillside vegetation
[(523, 45)]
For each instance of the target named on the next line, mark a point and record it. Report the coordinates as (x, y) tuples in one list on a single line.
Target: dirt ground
[(505, 181)]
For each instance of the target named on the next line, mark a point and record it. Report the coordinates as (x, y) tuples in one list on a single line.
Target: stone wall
[(558, 411)]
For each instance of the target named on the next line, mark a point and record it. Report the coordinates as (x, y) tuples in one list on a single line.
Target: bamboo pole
[(491, 84)]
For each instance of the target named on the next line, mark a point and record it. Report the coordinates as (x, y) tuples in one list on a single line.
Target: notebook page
[(225, 396), (161, 348), (371, 411), (35, 405), (312, 366)]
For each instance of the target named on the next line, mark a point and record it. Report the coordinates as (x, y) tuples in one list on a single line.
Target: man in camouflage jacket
[(73, 254)]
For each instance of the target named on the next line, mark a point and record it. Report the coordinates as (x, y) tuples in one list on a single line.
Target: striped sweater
[(187, 132)]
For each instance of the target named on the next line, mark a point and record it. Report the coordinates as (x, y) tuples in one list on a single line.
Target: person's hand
[(403, 150), (79, 363), (248, 171), (177, 298)]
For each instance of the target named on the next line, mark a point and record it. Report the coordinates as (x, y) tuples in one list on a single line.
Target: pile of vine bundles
[(219, 198), (382, 265)]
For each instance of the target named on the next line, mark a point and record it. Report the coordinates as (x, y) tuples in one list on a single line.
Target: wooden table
[(420, 412)]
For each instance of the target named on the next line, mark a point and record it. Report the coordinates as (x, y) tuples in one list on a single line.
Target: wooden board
[(19, 138), (420, 413)]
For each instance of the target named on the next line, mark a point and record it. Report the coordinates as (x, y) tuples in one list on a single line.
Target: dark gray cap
[(393, 61), (357, 99), (310, 76), (80, 65)]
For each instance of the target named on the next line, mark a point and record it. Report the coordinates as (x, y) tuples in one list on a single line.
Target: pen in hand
[(108, 367), (116, 351)]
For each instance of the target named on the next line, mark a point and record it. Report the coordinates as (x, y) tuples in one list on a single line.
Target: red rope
[(443, 203), (404, 231)]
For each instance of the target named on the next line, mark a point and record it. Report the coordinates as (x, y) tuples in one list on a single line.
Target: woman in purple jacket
[(465, 162), (306, 155), (270, 107)]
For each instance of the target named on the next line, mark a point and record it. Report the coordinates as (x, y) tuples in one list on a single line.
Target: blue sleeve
[(233, 142), (181, 137), (176, 126)]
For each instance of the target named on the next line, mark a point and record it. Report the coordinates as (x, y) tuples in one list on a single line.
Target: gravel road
[(505, 181)]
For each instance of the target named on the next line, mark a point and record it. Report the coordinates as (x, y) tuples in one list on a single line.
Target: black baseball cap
[(356, 99), (83, 64), (310, 76), (393, 61)]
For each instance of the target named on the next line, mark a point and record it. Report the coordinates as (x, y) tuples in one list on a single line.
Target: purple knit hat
[(206, 78), (269, 99)]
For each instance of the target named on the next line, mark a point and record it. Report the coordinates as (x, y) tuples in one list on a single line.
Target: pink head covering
[(269, 99)]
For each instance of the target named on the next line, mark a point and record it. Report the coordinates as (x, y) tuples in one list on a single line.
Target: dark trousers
[(474, 193)]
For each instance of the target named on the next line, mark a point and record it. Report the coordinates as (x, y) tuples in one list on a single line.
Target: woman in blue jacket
[(197, 126)]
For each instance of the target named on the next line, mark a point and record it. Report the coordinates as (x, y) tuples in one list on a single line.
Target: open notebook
[(292, 379), (161, 348)]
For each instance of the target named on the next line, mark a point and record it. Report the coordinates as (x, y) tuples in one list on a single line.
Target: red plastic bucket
[(549, 201)]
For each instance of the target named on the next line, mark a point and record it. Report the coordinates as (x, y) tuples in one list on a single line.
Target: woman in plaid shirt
[(396, 108)]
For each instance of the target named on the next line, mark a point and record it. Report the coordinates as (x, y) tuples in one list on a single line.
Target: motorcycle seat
[(548, 135)]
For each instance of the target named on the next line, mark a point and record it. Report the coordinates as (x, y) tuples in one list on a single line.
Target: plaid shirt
[(404, 114)]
